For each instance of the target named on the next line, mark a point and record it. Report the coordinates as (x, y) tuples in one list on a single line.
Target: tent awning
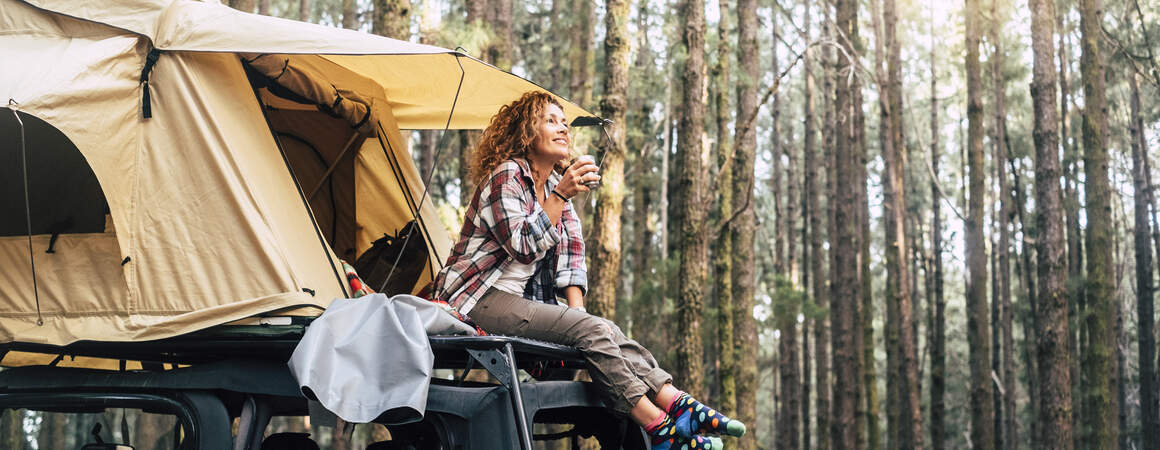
[(420, 80)]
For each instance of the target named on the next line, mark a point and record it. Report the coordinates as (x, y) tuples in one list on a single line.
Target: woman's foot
[(693, 418), (663, 436)]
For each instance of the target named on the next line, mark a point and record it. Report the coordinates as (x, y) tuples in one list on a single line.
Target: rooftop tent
[(191, 165)]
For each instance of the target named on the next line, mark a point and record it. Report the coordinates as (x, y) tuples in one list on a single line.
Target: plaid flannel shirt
[(505, 223)]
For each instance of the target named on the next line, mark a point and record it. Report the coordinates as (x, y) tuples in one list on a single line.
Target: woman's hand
[(582, 170)]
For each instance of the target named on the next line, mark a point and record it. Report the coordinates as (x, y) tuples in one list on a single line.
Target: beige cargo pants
[(620, 366)]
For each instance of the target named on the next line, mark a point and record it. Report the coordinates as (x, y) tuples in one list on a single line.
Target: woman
[(521, 247)]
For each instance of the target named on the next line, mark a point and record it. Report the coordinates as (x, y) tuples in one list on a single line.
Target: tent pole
[(27, 210), (330, 170)]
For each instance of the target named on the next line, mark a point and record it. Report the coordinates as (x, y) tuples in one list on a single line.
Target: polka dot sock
[(663, 435), (693, 418)]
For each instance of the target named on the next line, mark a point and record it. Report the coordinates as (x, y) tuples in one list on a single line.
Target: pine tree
[(846, 248), (742, 228), (692, 222), (978, 332), (722, 255), (1052, 335), (1101, 429), (1144, 285), (604, 246)]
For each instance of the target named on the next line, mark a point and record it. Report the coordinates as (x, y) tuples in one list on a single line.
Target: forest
[(852, 224)]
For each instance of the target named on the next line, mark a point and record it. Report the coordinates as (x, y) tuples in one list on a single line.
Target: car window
[(24, 429)]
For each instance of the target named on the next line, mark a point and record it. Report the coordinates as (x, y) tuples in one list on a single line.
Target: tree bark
[(811, 241), (242, 5), (775, 151), (1074, 233), (350, 19), (788, 419), (501, 49), (742, 227), (1030, 314), (938, 355), (978, 331), (1005, 434), (604, 247), (820, 288), (1145, 335), (1051, 319), (845, 250), (580, 89), (722, 255), (1099, 363), (786, 307), (304, 10), (898, 295), (692, 176)]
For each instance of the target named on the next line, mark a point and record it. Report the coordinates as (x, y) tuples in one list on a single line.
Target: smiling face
[(552, 136)]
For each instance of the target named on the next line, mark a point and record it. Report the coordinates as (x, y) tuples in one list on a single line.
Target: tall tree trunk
[(786, 307), (1005, 434), (889, 331), (938, 355), (1051, 320), (692, 176), (12, 429), (788, 419), (476, 12), (723, 255), (1074, 233), (264, 7), (501, 49), (978, 331), (242, 5), (580, 90), (1030, 314), (864, 324), (52, 430), (898, 295), (1099, 363), (604, 247), (350, 19), (811, 241), (742, 228), (775, 151), (845, 250), (304, 10), (392, 19), (820, 289), (1145, 335)]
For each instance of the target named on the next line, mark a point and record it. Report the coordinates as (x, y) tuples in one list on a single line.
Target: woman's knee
[(593, 330)]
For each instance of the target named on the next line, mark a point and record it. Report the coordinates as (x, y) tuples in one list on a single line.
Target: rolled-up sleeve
[(570, 267), (525, 236)]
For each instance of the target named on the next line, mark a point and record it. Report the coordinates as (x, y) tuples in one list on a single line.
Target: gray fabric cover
[(368, 356)]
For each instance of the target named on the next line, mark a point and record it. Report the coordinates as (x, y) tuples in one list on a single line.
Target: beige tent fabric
[(420, 80), (210, 226)]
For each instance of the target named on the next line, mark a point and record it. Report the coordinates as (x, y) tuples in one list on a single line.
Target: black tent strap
[(146, 103), (27, 210)]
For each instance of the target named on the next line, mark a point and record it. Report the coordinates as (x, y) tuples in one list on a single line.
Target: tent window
[(313, 142), (63, 192)]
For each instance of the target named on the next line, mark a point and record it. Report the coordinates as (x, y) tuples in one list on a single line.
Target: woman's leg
[(641, 361), (503, 313)]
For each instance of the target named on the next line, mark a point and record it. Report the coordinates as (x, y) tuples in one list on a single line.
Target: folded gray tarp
[(368, 356)]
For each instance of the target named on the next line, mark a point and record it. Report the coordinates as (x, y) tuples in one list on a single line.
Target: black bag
[(374, 265)]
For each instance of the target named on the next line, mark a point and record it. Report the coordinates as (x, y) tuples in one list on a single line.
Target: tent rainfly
[(188, 165)]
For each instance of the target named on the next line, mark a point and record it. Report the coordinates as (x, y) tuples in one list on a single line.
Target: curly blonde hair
[(511, 133)]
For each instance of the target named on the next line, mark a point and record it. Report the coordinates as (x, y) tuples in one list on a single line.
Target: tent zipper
[(150, 61)]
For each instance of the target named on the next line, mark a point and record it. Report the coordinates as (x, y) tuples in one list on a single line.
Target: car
[(220, 388)]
